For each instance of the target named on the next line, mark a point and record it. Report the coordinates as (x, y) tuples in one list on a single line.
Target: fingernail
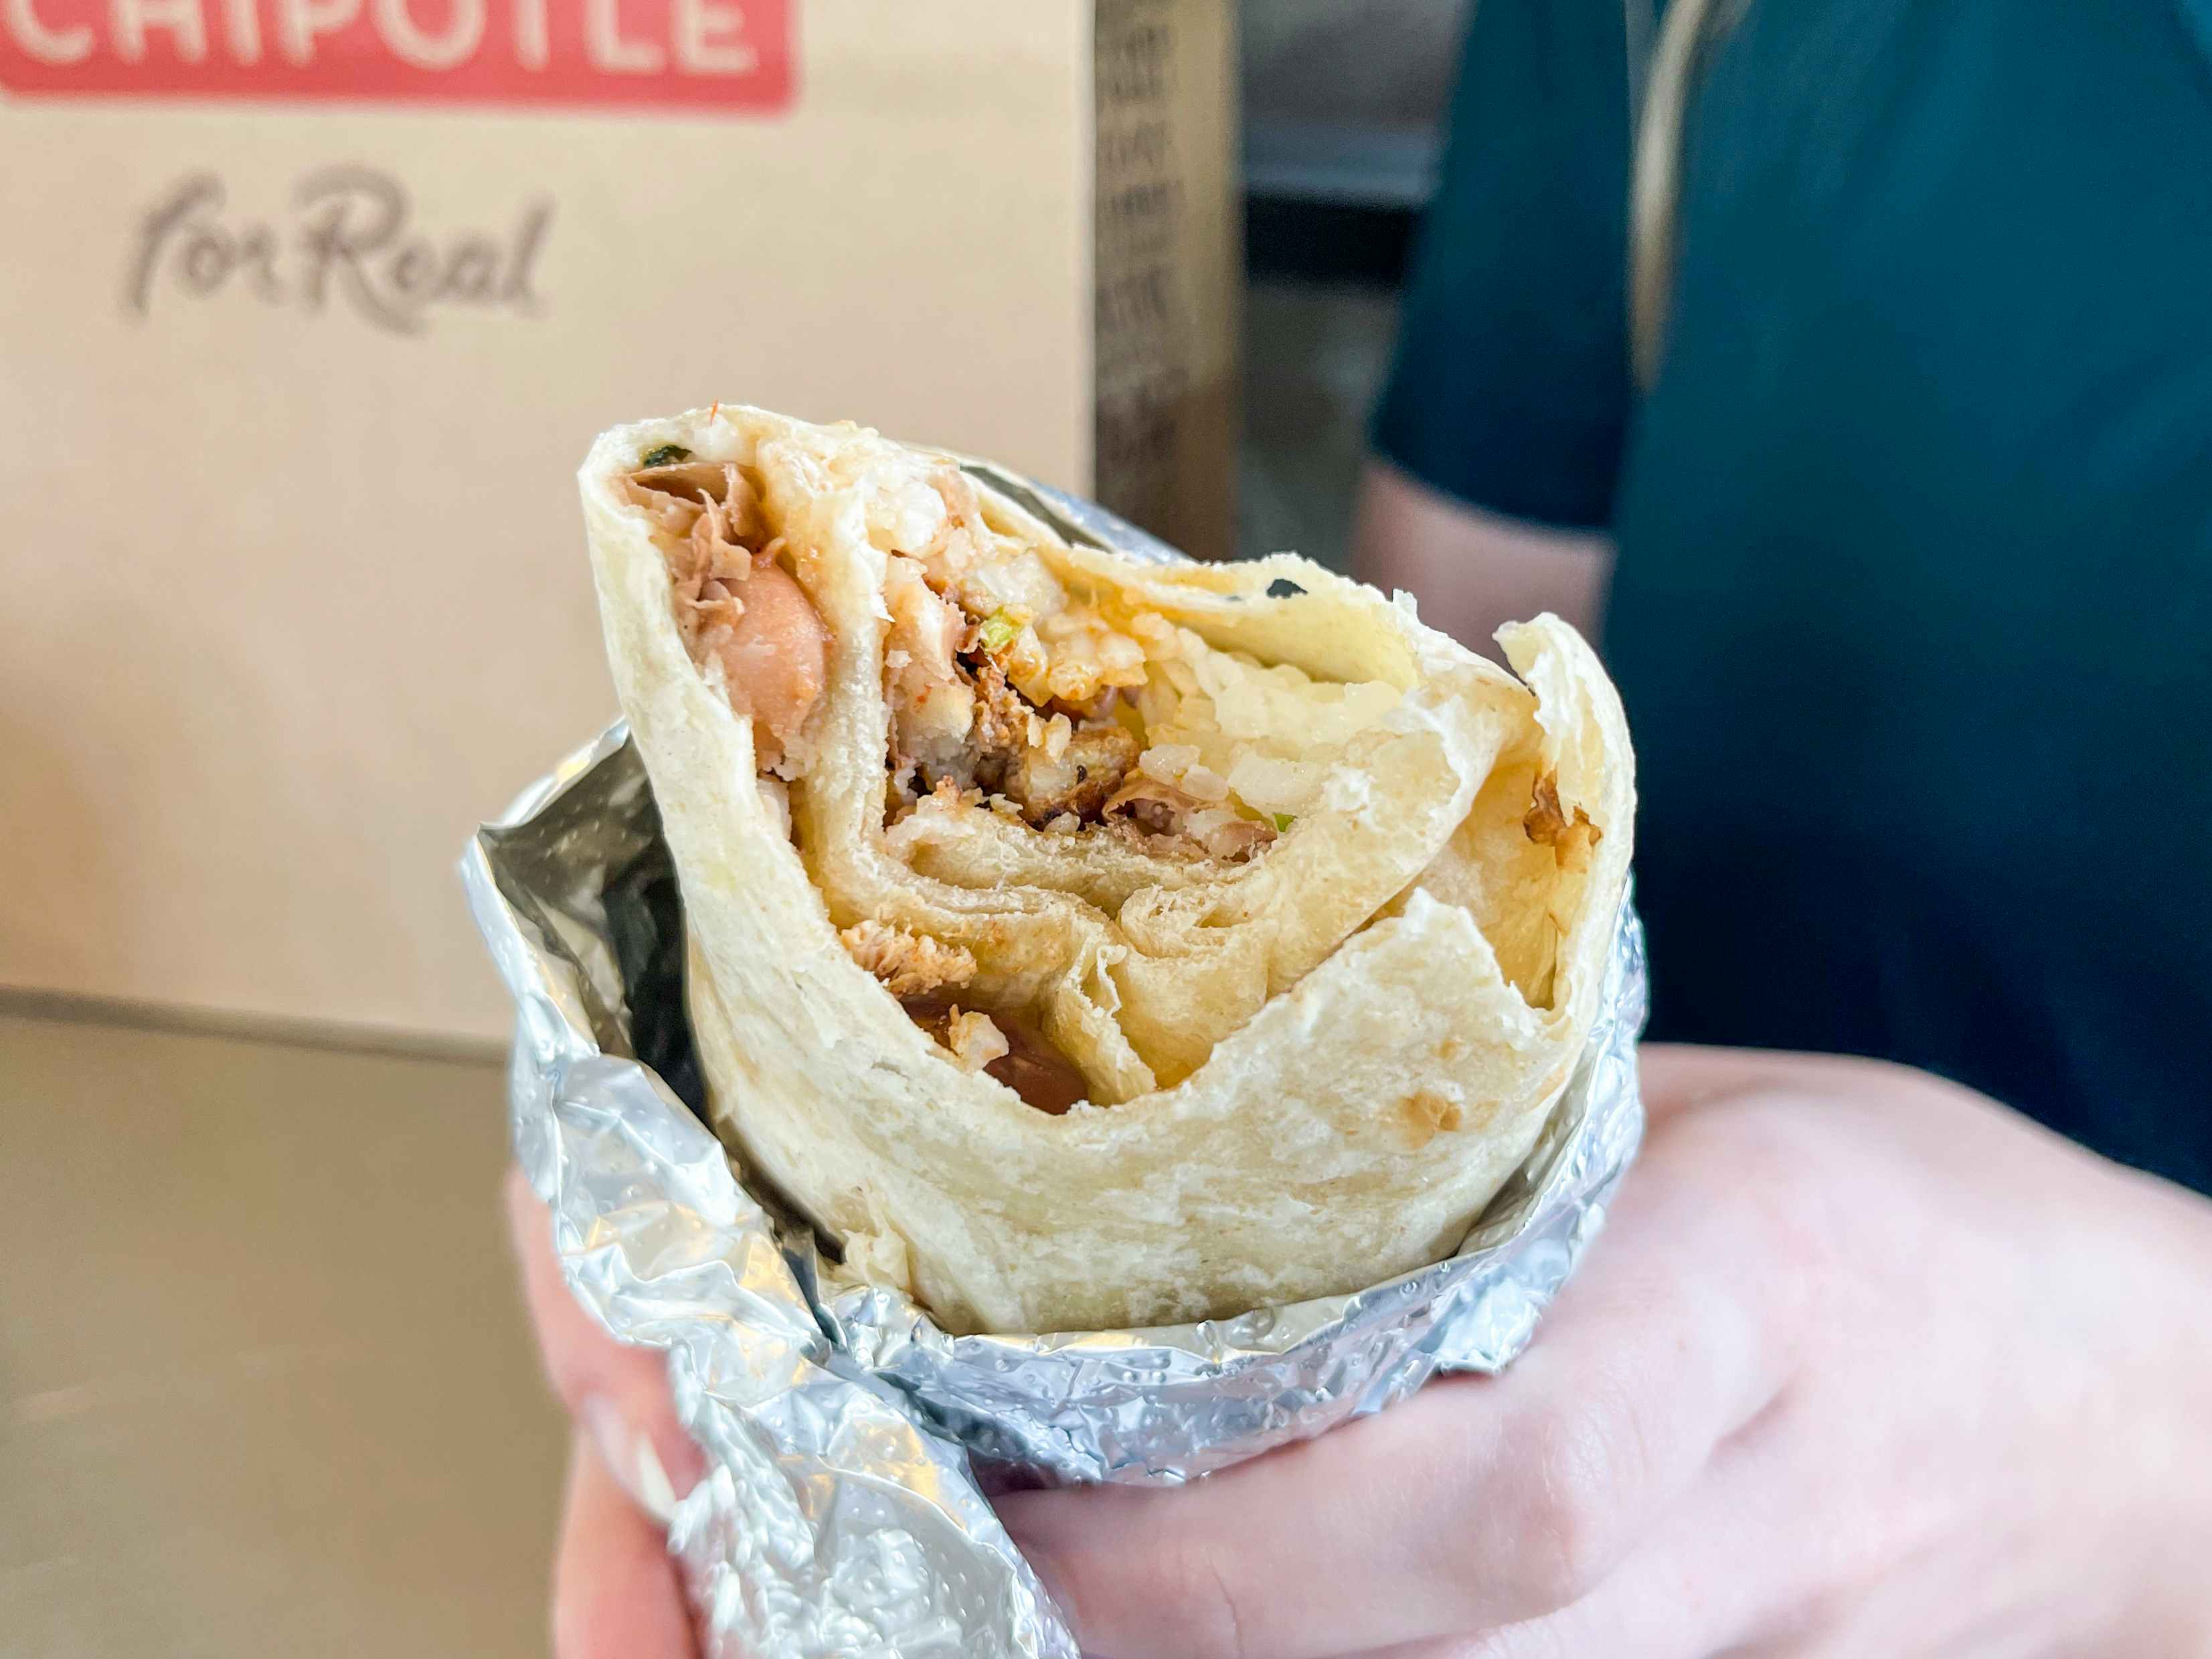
[(630, 1458)]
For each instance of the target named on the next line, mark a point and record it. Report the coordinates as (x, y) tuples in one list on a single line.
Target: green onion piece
[(1284, 821), (665, 455), (999, 631)]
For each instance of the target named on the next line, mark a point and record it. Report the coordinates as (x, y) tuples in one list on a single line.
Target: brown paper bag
[(311, 307)]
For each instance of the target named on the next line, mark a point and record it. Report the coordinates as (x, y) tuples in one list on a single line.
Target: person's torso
[(1913, 609)]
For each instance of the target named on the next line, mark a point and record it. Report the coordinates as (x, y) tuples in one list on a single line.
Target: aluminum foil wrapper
[(850, 1442)]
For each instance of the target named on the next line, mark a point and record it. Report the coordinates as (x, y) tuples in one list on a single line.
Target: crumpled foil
[(850, 1442)]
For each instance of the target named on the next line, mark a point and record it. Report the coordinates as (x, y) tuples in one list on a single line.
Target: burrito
[(1081, 942)]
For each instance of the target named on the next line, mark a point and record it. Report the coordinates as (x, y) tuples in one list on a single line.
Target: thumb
[(617, 1394)]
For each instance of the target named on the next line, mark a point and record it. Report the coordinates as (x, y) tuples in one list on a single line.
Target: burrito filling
[(1010, 690), (744, 618), (924, 973), (1010, 1047), (1080, 715)]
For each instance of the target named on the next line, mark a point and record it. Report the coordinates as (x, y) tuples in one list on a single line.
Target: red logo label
[(688, 55)]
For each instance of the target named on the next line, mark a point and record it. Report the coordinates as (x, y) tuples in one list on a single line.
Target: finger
[(1743, 1568), (615, 1592), (1676, 1077), (1679, 1078), (1726, 1572), (619, 1393), (1477, 1504)]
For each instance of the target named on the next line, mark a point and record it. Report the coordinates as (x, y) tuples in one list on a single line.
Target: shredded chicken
[(932, 704), (908, 964), (1080, 780), (1043, 767), (1007, 690), (1002, 721), (735, 606), (958, 717), (703, 509), (673, 495)]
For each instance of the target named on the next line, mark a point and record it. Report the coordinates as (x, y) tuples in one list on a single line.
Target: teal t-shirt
[(1912, 613)]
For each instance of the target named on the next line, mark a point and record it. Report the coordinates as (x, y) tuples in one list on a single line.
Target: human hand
[(615, 1594), (1863, 1365)]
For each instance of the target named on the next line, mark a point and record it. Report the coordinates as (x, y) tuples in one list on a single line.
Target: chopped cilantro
[(1283, 820), (666, 455), (1283, 588), (998, 630)]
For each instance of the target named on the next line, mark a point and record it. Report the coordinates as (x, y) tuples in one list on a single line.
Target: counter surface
[(264, 1387)]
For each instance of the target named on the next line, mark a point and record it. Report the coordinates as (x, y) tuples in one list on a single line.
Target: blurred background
[(1342, 104), (264, 1385)]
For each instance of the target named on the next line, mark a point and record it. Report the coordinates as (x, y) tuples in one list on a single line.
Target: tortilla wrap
[(1316, 934)]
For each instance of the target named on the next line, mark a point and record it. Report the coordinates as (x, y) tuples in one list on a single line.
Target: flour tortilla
[(1310, 1071)]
